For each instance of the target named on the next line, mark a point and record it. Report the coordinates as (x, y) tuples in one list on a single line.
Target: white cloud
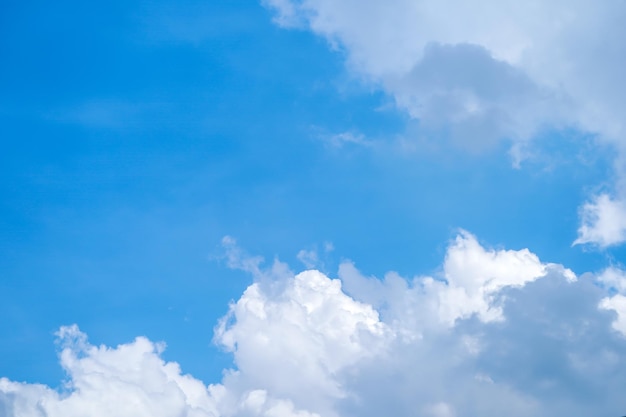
[(522, 64), (470, 284), (258, 403), (309, 258), (236, 258), (617, 303), (475, 73), (614, 279), (296, 341), (288, 13), (338, 140), (440, 410), (603, 222), (475, 276), (128, 381), (526, 339)]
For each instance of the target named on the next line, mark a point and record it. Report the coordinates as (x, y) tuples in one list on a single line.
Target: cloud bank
[(522, 64), (493, 332), (476, 73)]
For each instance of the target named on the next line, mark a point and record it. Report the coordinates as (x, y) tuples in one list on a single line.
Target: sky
[(312, 208)]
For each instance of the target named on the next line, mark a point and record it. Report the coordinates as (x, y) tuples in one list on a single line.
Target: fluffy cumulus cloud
[(305, 334), (471, 284), (492, 332), (603, 221), (474, 73), (128, 381)]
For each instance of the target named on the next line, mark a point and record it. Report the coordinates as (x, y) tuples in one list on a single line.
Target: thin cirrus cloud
[(532, 339), (476, 73)]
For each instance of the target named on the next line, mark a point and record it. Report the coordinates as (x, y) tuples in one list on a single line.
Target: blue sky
[(136, 135)]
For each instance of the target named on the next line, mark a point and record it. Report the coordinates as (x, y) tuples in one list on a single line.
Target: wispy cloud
[(343, 139)]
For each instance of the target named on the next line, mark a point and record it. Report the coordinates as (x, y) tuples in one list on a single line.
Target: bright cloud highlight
[(130, 380)]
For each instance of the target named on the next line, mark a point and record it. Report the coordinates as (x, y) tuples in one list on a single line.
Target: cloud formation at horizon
[(493, 332)]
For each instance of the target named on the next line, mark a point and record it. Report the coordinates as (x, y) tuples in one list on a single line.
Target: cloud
[(475, 73), (616, 303), (339, 140), (525, 338), (440, 410), (294, 343), (603, 222), (311, 258), (129, 380), (614, 279), (471, 283), (288, 15), (525, 64), (461, 94)]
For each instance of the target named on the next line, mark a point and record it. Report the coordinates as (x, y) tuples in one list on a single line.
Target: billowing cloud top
[(495, 332)]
